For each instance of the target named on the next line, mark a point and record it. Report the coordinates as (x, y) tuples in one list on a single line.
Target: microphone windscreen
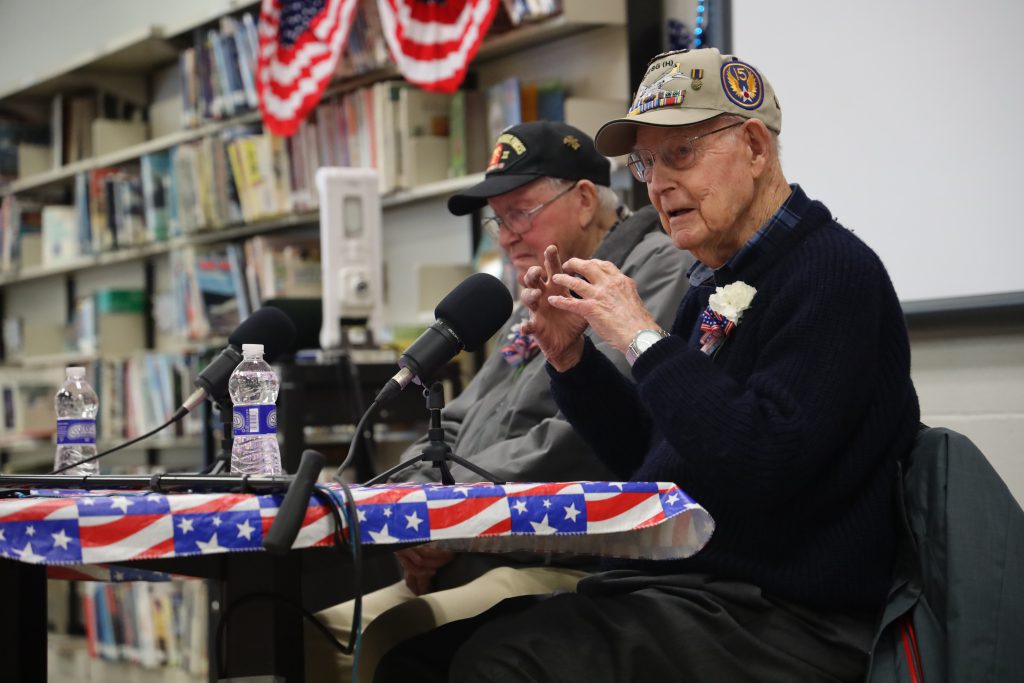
[(476, 309), (268, 326)]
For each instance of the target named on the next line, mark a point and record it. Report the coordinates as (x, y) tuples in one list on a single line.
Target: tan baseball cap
[(689, 86)]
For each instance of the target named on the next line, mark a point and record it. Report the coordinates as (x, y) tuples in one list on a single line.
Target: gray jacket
[(508, 424)]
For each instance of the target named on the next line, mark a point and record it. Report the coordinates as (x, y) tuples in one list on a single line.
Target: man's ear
[(758, 139), (588, 201)]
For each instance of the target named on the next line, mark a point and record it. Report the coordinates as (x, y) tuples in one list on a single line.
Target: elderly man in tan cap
[(780, 399)]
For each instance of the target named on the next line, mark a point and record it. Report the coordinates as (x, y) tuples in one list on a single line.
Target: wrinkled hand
[(608, 300), (420, 564), (559, 333)]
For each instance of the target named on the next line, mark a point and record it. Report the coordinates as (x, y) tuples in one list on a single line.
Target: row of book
[(136, 394), (218, 72), (215, 287), (152, 624)]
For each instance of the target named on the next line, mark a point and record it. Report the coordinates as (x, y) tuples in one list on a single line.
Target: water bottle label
[(250, 420), (71, 431)]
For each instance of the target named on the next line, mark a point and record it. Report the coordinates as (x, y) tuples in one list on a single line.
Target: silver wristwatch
[(643, 340)]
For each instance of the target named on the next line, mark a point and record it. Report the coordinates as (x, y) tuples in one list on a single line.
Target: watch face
[(643, 340)]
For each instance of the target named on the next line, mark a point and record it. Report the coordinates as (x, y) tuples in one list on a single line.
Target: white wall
[(40, 37), (902, 117)]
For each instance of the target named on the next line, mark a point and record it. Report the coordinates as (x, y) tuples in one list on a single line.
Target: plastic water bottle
[(76, 405), (253, 388)]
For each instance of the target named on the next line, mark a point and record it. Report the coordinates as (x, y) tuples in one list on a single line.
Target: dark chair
[(956, 608)]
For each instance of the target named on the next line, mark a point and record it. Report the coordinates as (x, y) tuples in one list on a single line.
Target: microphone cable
[(180, 413), (357, 439), (355, 545)]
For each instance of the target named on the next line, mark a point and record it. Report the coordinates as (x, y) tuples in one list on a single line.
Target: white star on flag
[(31, 530), (61, 539), (673, 499), (27, 555), (185, 525), (616, 483), (2, 538), (245, 529), (216, 521), (88, 501), (414, 521), (383, 536), (118, 576), (387, 512), (361, 514), (519, 505), (571, 512), (547, 503), (121, 504), (464, 490), (542, 528), (209, 546)]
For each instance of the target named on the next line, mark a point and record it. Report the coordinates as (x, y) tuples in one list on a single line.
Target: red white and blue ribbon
[(630, 519), (520, 349), (714, 328)]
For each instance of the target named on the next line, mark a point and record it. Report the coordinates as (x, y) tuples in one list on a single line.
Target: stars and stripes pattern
[(634, 519), (300, 43), (433, 41)]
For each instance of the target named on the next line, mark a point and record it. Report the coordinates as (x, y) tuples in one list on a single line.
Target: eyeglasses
[(520, 221), (679, 155)]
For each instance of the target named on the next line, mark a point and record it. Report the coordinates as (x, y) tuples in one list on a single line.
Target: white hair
[(607, 200)]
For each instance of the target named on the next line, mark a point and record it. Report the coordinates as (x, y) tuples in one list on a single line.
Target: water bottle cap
[(75, 372), (252, 349)]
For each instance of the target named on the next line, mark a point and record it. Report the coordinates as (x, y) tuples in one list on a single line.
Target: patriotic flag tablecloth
[(79, 533)]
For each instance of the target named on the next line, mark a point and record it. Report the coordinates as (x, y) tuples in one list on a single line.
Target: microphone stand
[(222, 463), (437, 452)]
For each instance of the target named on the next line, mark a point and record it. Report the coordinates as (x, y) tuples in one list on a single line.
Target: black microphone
[(467, 317), (268, 326), (289, 517)]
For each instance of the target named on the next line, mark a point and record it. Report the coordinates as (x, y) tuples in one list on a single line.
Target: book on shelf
[(60, 235), (503, 107), (111, 135), (156, 193), (282, 267), (14, 134), (423, 136)]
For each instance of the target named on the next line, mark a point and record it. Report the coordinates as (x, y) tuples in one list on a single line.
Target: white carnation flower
[(732, 300)]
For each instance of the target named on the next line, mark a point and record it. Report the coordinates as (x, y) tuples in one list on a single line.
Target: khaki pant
[(393, 614)]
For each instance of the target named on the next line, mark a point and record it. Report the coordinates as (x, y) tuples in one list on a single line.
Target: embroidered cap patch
[(742, 85)]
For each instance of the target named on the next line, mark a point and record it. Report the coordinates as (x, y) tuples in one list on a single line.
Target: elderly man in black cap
[(545, 184)]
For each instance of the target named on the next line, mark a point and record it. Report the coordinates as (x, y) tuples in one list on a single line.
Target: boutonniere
[(520, 348), (723, 313)]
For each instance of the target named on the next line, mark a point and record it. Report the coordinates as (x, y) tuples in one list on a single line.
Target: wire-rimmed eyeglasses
[(520, 221), (678, 155)]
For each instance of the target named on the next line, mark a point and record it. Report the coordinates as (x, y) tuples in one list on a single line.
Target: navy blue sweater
[(789, 436)]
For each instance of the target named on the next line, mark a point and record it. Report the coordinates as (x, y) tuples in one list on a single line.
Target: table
[(98, 534)]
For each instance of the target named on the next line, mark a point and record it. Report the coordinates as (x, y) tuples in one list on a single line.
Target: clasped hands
[(420, 563), (606, 300)]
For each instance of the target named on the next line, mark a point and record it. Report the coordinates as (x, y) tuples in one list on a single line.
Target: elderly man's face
[(704, 205), (557, 223)]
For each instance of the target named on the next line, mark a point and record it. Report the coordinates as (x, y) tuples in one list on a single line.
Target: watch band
[(643, 340)]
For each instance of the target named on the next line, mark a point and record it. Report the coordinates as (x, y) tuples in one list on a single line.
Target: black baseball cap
[(533, 150)]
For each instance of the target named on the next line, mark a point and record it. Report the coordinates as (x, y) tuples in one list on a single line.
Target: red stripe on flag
[(162, 549), (38, 511), (451, 515), (601, 510), (428, 12), (118, 530), (502, 527)]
